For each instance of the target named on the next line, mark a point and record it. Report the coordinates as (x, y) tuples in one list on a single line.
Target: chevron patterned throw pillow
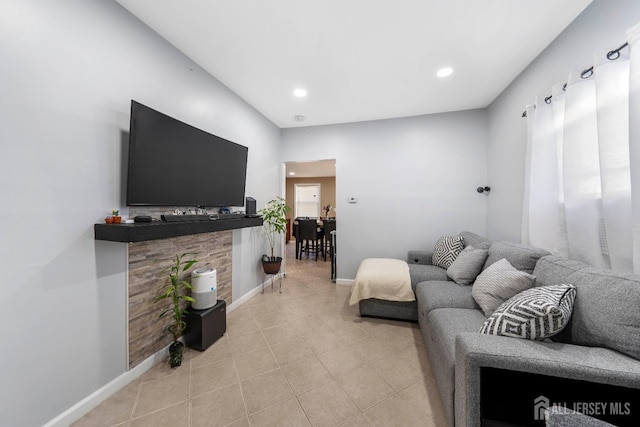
[(446, 250), (534, 314)]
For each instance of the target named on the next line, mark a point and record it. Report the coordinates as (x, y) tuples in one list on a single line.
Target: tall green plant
[(274, 221), (175, 290)]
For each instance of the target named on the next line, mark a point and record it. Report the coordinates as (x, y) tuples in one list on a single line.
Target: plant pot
[(117, 219), (176, 351), (271, 265)]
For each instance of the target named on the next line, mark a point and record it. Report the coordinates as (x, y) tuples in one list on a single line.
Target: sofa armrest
[(420, 257), (560, 416), (475, 351)]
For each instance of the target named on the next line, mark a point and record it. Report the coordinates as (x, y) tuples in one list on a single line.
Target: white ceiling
[(359, 59), (311, 169)]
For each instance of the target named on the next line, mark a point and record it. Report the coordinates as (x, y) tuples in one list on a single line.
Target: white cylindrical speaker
[(204, 283)]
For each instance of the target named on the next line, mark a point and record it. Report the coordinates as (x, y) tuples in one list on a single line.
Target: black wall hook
[(483, 189)]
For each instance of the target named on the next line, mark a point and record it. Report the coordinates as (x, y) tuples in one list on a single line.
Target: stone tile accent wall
[(148, 263)]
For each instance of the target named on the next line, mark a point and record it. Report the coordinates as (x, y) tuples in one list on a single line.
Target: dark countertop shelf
[(143, 231)]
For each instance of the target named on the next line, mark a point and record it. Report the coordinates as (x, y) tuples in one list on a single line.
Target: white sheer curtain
[(633, 36), (582, 189)]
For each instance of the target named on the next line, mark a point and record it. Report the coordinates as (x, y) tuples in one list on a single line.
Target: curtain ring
[(548, 99), (613, 55), (585, 74)]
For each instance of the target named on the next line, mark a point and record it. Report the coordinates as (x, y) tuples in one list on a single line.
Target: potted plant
[(116, 218), (274, 223), (175, 290), (326, 210)]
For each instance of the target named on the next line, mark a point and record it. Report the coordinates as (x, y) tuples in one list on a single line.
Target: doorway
[(317, 172)]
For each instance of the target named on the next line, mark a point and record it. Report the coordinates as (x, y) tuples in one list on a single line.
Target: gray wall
[(69, 71), (601, 27), (415, 179)]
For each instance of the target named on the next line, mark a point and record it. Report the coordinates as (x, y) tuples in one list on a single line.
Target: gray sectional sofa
[(498, 380)]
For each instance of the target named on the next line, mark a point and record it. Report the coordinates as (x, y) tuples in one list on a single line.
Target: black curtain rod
[(612, 55)]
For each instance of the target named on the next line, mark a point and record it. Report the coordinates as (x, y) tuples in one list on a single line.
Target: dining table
[(320, 223)]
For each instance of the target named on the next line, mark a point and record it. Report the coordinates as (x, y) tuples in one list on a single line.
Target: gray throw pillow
[(534, 314), (466, 267), (499, 282), (446, 250), (522, 257)]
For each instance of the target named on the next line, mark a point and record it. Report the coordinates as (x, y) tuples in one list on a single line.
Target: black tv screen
[(172, 163)]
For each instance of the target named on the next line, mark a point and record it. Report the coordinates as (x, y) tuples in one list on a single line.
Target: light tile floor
[(300, 358)]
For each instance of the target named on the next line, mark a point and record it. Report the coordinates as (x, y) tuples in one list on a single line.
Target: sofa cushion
[(552, 269), (605, 312), (420, 273), (522, 257), (475, 240), (444, 325), (446, 250), (499, 282), (534, 314), (440, 294), (467, 265)]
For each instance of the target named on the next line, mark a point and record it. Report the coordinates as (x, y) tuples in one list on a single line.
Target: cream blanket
[(382, 278)]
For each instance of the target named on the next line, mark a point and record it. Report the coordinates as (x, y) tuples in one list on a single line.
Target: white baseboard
[(255, 291), (90, 402), (345, 282)]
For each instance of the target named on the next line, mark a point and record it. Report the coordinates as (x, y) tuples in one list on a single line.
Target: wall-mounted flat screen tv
[(172, 163)]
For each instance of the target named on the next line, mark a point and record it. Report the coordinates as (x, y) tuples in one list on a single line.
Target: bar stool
[(329, 226)]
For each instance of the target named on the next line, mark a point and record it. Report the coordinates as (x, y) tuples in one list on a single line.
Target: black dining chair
[(296, 233), (329, 226), (310, 237)]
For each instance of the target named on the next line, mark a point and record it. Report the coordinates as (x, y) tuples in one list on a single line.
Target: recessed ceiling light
[(300, 93), (299, 118), (444, 72)]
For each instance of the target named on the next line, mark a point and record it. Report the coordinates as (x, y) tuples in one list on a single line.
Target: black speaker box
[(204, 327), (250, 206)]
